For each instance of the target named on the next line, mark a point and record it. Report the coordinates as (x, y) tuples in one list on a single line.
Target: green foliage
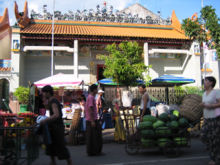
[(206, 25), (22, 94), (193, 90), (211, 22), (125, 64), (181, 91), (153, 98), (194, 30), (189, 90)]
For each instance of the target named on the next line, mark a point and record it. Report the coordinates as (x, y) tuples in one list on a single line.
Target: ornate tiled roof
[(5, 69), (103, 29)]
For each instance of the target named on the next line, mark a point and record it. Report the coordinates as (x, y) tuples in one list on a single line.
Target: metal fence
[(157, 93)]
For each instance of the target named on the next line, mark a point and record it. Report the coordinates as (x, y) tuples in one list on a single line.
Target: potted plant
[(22, 94)]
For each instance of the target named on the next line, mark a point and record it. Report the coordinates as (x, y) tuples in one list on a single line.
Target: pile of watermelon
[(164, 130)]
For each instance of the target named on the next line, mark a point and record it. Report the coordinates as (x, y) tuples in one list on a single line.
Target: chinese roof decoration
[(4, 24), (91, 25), (22, 17), (101, 14)]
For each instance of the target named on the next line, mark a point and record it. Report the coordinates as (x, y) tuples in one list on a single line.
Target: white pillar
[(146, 54), (15, 59), (75, 62)]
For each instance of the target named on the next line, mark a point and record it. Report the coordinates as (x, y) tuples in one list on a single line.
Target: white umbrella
[(59, 80)]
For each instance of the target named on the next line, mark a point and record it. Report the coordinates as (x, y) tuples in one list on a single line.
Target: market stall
[(69, 91)]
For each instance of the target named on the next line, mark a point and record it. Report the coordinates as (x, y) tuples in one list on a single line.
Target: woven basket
[(191, 107), (76, 118)]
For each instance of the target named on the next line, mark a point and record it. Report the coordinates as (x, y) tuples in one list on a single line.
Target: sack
[(161, 108), (127, 98)]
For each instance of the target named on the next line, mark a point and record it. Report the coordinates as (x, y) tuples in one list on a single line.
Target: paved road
[(114, 154)]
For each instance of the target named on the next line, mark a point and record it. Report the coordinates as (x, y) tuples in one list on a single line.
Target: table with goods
[(18, 140)]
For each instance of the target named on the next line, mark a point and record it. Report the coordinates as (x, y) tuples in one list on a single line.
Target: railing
[(157, 93)]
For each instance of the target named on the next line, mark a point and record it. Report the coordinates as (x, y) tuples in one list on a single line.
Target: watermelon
[(164, 117), (147, 133), (163, 142), (158, 123), (174, 125), (173, 117), (183, 122), (181, 141), (168, 124), (147, 142), (149, 118), (163, 131), (145, 125)]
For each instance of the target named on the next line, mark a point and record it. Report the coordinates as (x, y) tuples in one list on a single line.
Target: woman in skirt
[(211, 129)]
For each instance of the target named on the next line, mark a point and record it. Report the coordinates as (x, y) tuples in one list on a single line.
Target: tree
[(206, 28), (125, 63), (22, 94)]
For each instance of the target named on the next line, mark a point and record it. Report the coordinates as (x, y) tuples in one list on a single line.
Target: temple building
[(5, 55), (80, 39)]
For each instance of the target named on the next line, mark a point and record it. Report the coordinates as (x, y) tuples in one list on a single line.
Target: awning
[(59, 80)]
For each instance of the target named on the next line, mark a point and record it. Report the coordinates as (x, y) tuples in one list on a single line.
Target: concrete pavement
[(114, 154)]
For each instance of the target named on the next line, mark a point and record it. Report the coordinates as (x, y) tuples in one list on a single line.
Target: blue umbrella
[(170, 81), (109, 81)]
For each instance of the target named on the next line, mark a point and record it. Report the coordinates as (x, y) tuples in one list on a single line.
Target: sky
[(183, 8)]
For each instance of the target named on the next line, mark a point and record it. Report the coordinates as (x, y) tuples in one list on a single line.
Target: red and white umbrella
[(59, 80)]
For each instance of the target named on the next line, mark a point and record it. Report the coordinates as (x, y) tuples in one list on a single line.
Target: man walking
[(93, 127)]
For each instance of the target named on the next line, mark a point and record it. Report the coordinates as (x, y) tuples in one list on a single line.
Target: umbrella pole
[(167, 95)]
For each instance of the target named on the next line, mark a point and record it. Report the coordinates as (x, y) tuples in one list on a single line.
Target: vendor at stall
[(145, 101)]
